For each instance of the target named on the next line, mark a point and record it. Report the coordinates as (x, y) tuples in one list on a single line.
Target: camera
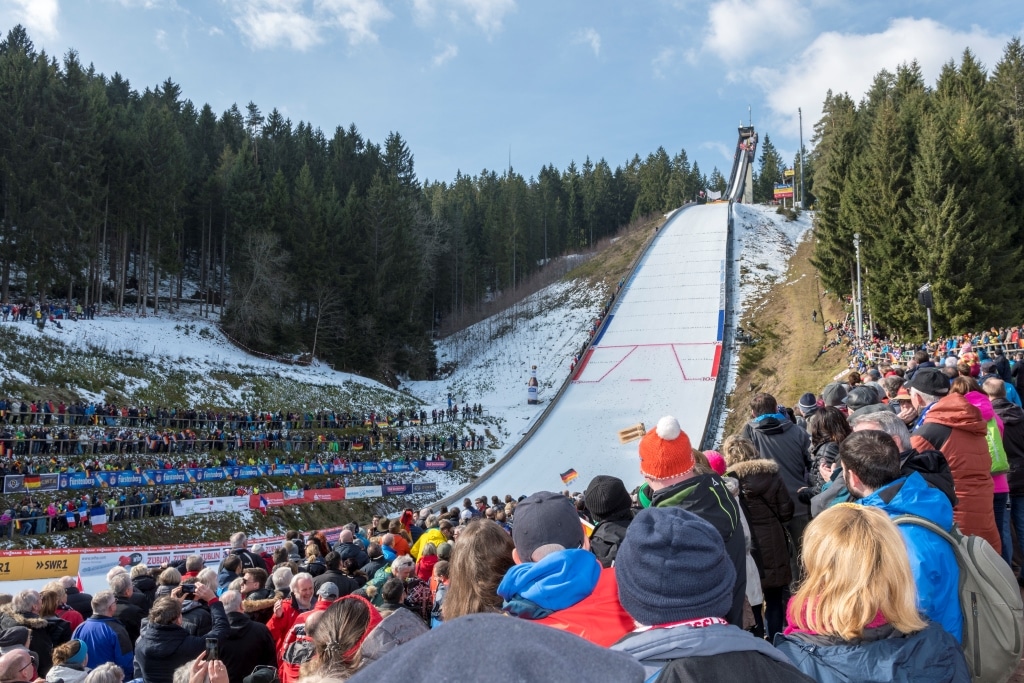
[(188, 589)]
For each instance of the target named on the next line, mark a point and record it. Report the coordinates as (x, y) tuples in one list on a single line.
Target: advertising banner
[(30, 483), (202, 506), (397, 489), (429, 487), (15, 568), (354, 492)]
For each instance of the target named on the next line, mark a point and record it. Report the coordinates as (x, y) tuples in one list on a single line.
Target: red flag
[(78, 583)]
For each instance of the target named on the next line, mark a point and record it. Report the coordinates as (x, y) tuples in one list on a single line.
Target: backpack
[(990, 601)]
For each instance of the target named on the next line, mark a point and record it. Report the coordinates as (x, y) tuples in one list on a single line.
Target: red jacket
[(289, 670), (280, 626), (955, 427), (598, 618)]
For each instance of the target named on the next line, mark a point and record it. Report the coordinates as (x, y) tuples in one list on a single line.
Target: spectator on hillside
[(165, 645), (287, 610), (79, 601), (875, 633), (64, 610), (342, 581), (193, 565), (338, 637), (512, 645), (238, 542), (1013, 442), (767, 507), (257, 600), (129, 614), (70, 662), (58, 629), (950, 424), (667, 463), (557, 581), (348, 547), (23, 610), (611, 507), (230, 569), (478, 564), (143, 582), (778, 439), (248, 643), (292, 651), (196, 616), (675, 580), (105, 636), (871, 465)]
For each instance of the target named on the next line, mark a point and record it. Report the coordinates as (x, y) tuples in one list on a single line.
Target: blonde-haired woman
[(855, 617)]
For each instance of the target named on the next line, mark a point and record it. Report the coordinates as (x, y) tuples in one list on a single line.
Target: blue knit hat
[(672, 566)]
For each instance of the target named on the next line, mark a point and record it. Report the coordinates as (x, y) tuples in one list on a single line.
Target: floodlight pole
[(860, 301), (803, 193)]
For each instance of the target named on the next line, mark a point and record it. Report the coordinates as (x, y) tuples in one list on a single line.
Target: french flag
[(98, 519), (263, 505), (71, 519)]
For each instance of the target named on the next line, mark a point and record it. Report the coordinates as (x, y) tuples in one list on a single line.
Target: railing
[(44, 524)]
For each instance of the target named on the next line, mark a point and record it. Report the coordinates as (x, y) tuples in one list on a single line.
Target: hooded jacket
[(956, 428), (567, 590), (1013, 442), (67, 674), (108, 641), (247, 645), (195, 617), (768, 507), (291, 652), (883, 656), (162, 648), (41, 643), (706, 496), (711, 653), (932, 560), (789, 446)]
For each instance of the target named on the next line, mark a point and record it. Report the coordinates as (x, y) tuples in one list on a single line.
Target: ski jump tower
[(741, 182)]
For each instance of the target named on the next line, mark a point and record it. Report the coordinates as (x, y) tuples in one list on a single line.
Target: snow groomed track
[(659, 354)]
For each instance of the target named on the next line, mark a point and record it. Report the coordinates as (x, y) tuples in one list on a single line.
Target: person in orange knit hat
[(670, 480)]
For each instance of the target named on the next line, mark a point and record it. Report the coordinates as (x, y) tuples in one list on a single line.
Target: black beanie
[(672, 566), (606, 495)]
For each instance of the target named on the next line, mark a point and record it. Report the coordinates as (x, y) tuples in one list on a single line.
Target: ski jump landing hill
[(659, 353)]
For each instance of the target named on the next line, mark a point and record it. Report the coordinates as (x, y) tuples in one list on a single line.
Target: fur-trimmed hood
[(252, 606), (22, 619), (751, 467)]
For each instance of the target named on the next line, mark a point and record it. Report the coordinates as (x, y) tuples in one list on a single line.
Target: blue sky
[(465, 81)]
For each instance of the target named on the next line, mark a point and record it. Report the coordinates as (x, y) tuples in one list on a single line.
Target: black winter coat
[(131, 616), (768, 507), (195, 617), (80, 602), (789, 446), (162, 648), (345, 583), (1013, 442), (58, 629), (248, 645), (607, 537), (146, 585), (40, 644)]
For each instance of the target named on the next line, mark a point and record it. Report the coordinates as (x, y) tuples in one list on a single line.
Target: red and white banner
[(203, 506)]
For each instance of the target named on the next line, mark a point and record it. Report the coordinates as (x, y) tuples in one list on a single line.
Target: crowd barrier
[(37, 483)]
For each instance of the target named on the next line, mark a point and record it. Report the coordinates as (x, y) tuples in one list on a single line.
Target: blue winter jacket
[(886, 656), (534, 590), (932, 560)]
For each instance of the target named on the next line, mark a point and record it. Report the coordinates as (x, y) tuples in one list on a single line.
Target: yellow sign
[(19, 567), (788, 173)]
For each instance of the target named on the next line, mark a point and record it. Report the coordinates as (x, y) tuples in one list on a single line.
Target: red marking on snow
[(640, 380), (718, 360), (679, 363), (583, 364)]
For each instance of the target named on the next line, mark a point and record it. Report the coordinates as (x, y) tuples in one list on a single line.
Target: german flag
[(357, 446), (568, 476), (31, 481)]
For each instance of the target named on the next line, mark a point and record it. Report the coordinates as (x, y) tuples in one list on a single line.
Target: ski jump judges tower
[(741, 182)]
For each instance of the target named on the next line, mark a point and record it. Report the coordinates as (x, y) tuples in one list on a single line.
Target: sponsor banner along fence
[(24, 483), (202, 506)]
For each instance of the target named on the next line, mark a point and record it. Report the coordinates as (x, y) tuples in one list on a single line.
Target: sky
[(471, 84)]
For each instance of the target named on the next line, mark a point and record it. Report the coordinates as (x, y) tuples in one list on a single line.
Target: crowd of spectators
[(719, 566)]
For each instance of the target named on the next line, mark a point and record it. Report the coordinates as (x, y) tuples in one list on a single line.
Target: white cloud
[(849, 63), (38, 16), (161, 39), (354, 17), (589, 36), (487, 15), (724, 150), (662, 62), (739, 28), (215, 31), (449, 53), (270, 23)]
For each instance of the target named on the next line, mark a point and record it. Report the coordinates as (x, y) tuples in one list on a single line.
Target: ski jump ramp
[(658, 354)]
